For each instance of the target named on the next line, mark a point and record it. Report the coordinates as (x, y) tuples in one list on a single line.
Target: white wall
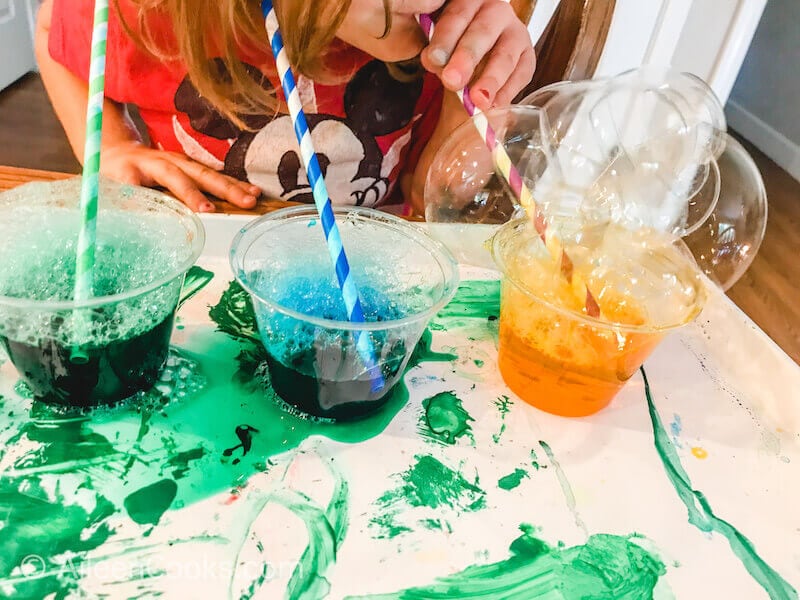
[(16, 40), (706, 37), (765, 102)]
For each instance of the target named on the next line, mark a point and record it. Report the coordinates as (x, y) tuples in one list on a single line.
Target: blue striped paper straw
[(87, 238), (347, 284)]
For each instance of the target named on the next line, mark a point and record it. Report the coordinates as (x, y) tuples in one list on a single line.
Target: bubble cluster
[(38, 253), (291, 340)]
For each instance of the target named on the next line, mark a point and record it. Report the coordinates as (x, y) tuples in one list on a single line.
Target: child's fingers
[(238, 193), (498, 69), (506, 73), (477, 42), (172, 177), (127, 174), (521, 76), (451, 25)]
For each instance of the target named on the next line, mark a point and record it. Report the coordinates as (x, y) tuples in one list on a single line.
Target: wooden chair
[(572, 43)]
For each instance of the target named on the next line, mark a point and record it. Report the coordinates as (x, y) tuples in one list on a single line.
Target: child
[(203, 80)]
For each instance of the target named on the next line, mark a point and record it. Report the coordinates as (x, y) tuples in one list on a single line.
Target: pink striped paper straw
[(509, 172)]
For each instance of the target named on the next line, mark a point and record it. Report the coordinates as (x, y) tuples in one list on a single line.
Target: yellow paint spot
[(700, 453)]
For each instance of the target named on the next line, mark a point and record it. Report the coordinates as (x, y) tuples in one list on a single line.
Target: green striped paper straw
[(90, 189)]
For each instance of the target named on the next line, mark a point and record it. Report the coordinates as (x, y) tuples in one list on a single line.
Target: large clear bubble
[(728, 241), (645, 151)]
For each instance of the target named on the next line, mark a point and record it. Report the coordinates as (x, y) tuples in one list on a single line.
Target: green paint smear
[(146, 506), (427, 483), (513, 480), (606, 567), (326, 529), (445, 419), (702, 516)]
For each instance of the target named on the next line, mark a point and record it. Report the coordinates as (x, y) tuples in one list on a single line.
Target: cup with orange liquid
[(558, 358)]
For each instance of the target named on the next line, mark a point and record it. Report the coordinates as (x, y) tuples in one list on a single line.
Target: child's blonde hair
[(209, 28)]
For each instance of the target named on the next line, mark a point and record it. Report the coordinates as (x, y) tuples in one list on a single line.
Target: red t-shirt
[(367, 130)]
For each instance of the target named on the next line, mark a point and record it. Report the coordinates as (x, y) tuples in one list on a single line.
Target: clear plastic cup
[(555, 356), (146, 242), (404, 278)]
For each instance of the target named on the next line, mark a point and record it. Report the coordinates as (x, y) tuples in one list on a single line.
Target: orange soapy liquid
[(566, 365)]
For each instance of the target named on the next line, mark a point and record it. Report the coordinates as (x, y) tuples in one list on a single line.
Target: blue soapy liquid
[(318, 370)]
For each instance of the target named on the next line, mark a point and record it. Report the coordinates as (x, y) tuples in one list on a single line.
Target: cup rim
[(579, 316), (445, 259), (198, 244)]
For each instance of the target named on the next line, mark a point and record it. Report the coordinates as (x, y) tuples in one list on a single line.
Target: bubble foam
[(38, 255)]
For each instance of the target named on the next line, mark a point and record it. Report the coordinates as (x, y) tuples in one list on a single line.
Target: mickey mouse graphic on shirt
[(266, 154)]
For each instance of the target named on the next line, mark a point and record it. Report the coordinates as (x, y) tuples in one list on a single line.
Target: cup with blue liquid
[(315, 355)]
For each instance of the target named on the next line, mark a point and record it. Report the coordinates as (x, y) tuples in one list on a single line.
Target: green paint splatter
[(478, 299), (61, 447), (702, 516), (430, 484), (535, 461), (281, 430), (56, 533), (147, 505), (196, 279), (257, 583), (503, 404), (179, 462), (245, 435), (234, 314), (606, 567), (445, 419), (479, 363), (512, 480)]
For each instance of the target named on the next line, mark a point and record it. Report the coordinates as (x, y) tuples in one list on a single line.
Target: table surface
[(685, 487), (11, 177)]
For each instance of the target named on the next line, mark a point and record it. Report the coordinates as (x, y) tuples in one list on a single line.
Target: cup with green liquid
[(404, 278), (146, 242)]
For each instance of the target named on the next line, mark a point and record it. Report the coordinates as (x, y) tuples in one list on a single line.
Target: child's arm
[(124, 156)]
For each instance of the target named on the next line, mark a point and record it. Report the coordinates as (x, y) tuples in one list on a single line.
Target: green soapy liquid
[(606, 567), (38, 252), (445, 419)]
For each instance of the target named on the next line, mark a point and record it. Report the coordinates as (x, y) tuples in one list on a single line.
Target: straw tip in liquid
[(78, 356)]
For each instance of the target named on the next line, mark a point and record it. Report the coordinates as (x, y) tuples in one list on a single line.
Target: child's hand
[(483, 43), (136, 164)]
